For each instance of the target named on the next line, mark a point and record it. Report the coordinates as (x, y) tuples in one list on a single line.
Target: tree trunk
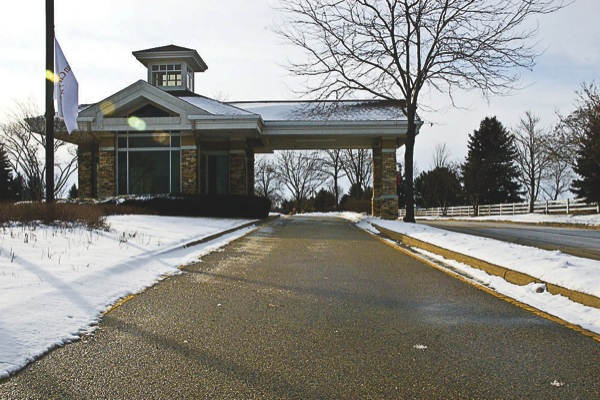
[(411, 133), (532, 194)]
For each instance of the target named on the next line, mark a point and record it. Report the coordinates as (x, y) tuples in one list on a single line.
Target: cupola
[(171, 68)]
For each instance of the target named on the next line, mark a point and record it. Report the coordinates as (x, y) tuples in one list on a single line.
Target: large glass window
[(166, 75), (149, 163)]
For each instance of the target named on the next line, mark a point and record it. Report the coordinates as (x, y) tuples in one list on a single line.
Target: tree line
[(527, 162), (298, 181)]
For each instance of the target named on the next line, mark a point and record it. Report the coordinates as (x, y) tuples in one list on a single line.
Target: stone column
[(85, 165), (189, 171), (389, 196), (377, 184), (237, 172), (107, 172)]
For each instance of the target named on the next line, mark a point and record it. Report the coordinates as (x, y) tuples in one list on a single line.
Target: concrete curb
[(513, 277), (256, 222)]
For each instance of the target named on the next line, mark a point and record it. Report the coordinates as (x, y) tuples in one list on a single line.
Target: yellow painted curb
[(513, 277)]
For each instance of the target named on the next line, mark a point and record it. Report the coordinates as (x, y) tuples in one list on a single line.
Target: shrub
[(52, 214), (218, 206)]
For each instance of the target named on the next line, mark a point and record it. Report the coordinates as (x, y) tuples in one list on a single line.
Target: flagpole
[(49, 101)]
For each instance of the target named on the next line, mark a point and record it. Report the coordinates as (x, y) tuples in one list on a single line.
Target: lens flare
[(51, 76), (107, 107), (136, 123), (161, 137)]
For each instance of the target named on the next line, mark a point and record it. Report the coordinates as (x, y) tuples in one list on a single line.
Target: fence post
[(568, 208)]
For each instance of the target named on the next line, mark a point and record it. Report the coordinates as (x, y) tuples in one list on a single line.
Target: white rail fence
[(568, 206)]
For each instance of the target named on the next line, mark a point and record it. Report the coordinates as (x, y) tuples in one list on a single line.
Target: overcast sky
[(244, 58)]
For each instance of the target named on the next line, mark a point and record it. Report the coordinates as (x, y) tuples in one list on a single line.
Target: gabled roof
[(341, 110), (134, 96), (213, 106)]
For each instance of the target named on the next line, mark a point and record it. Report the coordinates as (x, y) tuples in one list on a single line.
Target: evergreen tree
[(587, 163), (439, 187), (18, 188), (6, 178), (489, 173), (73, 192)]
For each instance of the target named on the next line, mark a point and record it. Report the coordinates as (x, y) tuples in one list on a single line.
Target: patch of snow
[(56, 282)]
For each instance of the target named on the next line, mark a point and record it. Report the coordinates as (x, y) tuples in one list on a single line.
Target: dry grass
[(92, 216)]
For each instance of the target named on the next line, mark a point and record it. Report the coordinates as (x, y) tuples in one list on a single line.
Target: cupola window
[(166, 75)]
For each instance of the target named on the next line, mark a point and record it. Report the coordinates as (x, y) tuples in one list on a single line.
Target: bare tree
[(266, 179), (301, 173), (558, 176), (532, 155), (441, 156), (333, 167), (24, 140), (571, 128), (393, 49), (358, 168), (566, 140)]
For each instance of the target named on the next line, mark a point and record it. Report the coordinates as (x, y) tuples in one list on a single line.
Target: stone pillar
[(85, 167), (377, 188), (237, 172), (389, 196), (107, 172), (189, 171), (250, 169)]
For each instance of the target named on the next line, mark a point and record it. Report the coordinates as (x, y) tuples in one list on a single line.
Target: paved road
[(577, 242), (316, 309)]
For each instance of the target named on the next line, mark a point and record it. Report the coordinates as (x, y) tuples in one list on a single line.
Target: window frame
[(124, 148)]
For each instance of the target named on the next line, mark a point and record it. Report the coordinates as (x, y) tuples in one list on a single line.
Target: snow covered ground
[(55, 283), (592, 220)]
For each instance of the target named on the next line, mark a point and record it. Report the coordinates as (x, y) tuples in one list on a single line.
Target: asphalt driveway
[(314, 308)]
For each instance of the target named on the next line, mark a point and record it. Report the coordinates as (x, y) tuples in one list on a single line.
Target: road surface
[(314, 308), (578, 242)]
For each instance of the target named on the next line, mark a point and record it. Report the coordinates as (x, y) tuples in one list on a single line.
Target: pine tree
[(6, 178), (73, 192), (489, 172), (588, 160), (439, 187)]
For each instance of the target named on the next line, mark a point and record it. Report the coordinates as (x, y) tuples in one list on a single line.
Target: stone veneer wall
[(107, 174), (389, 196), (377, 185), (237, 172), (189, 171), (84, 172)]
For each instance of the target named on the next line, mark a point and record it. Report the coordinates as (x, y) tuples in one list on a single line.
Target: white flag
[(66, 89)]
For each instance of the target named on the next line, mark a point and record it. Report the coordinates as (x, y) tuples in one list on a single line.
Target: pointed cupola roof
[(173, 53)]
